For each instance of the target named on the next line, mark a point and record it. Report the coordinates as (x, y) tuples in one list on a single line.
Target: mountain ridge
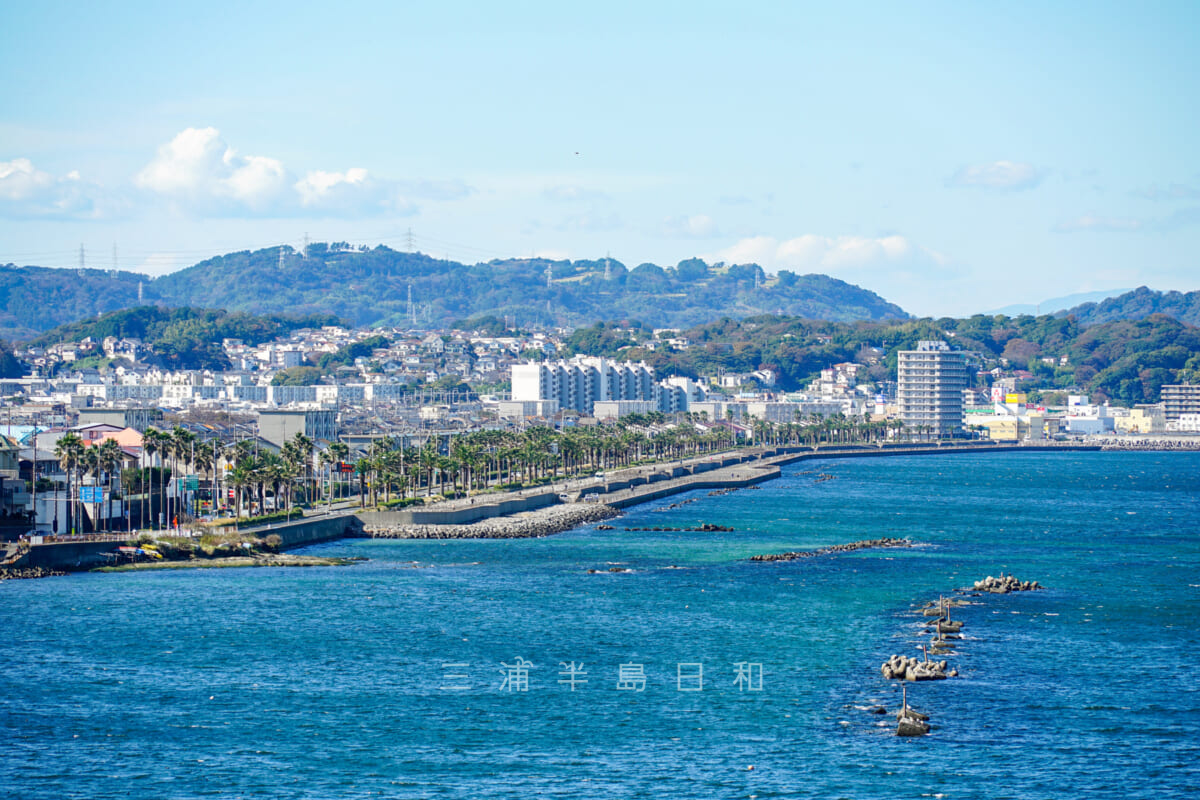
[(1137, 304), (370, 286)]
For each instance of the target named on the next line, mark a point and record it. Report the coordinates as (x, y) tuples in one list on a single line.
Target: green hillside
[(1139, 304), (371, 286), (1125, 361)]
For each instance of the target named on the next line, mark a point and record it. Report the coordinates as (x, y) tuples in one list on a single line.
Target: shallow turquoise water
[(316, 683)]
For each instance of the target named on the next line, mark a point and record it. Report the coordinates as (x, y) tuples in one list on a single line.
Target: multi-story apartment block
[(930, 383), (1179, 399), (578, 384)]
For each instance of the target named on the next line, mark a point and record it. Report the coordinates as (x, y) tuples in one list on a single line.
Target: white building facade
[(930, 383)]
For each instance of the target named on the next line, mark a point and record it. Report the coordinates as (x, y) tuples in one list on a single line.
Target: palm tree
[(109, 456), (69, 450), (152, 442), (362, 467), (90, 461), (240, 477), (206, 462), (339, 451), (217, 449)]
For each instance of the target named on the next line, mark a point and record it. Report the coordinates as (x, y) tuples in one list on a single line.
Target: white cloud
[(1002, 175), (27, 192), (697, 226), (1089, 222), (198, 169), (201, 173), (825, 253), (352, 192)]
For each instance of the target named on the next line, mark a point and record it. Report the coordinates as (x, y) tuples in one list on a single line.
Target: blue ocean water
[(340, 682)]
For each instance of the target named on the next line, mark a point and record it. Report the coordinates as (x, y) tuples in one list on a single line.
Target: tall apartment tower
[(1179, 399), (930, 387)]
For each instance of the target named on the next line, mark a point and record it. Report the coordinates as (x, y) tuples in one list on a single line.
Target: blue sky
[(954, 157)]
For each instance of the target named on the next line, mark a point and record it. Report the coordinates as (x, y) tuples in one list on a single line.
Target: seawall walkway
[(619, 489)]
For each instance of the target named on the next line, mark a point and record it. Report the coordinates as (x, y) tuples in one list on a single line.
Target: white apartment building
[(1180, 399), (577, 384), (930, 383)]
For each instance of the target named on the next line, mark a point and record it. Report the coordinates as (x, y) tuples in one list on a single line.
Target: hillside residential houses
[(414, 386)]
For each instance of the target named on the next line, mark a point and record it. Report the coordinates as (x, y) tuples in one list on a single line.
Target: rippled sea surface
[(341, 682)]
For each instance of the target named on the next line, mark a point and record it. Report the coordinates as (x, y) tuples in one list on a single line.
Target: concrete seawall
[(460, 514), (312, 530), (724, 472), (728, 478)]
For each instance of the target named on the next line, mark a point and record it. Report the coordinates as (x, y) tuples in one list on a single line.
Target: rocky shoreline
[(837, 548), (526, 525), (29, 574), (1182, 443), (261, 560)]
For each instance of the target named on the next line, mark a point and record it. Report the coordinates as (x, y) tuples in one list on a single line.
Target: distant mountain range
[(372, 286), (368, 286), (1139, 304), (1055, 304)]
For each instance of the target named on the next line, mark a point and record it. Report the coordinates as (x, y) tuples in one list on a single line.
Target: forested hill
[(366, 286), (1139, 304), (1126, 361), (36, 299)]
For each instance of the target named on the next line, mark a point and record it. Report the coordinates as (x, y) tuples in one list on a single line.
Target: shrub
[(275, 516), (403, 502)]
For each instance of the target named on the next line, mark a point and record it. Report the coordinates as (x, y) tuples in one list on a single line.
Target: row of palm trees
[(79, 460), (481, 459), (252, 473), (466, 462)]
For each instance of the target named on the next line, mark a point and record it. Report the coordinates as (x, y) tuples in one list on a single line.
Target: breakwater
[(947, 638), (836, 548), (29, 573), (530, 524), (721, 474)]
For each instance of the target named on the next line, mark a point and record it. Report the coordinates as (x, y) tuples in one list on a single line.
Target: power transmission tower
[(412, 310), (281, 257), (114, 272), (139, 292), (409, 240), (549, 275), (607, 268), (81, 258), (305, 255)]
